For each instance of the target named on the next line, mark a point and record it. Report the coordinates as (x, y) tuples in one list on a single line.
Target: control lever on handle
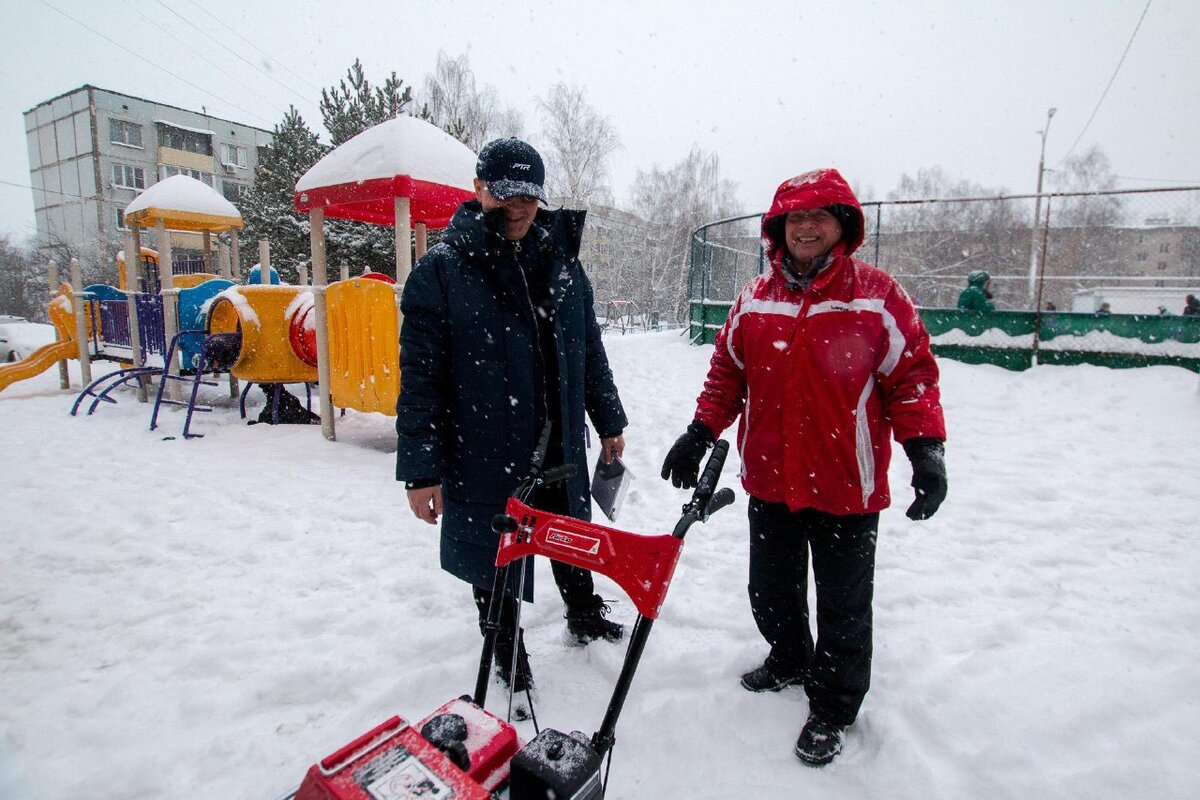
[(719, 500)]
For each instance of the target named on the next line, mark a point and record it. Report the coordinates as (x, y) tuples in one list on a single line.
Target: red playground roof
[(403, 157)]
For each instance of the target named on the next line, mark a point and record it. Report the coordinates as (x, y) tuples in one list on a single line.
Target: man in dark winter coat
[(499, 336), (824, 359)]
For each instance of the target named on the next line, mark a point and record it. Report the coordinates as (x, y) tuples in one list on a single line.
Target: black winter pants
[(575, 585), (837, 668)]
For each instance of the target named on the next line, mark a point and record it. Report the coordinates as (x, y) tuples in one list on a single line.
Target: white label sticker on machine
[(409, 779)]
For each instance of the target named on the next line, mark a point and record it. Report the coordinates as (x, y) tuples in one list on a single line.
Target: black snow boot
[(523, 679), (586, 623), (772, 676), (520, 685), (819, 742)]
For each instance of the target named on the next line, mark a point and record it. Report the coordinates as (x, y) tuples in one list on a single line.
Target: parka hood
[(978, 278), (812, 190)]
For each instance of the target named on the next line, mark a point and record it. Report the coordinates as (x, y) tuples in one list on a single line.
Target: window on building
[(121, 220), (234, 191), (1165, 247), (181, 139), (169, 170), (1141, 256), (1162, 265), (127, 177), (232, 154), (126, 133)]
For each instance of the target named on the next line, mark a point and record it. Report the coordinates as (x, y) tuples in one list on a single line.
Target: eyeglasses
[(817, 216)]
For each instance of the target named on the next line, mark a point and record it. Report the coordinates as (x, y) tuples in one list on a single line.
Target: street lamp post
[(1037, 213)]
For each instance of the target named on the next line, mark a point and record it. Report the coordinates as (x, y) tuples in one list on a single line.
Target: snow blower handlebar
[(706, 501)]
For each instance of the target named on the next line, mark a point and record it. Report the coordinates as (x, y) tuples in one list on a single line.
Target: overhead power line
[(233, 52), (157, 66), (261, 52), (1104, 94), (196, 53)]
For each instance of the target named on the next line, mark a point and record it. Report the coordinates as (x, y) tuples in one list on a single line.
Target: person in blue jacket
[(500, 336)]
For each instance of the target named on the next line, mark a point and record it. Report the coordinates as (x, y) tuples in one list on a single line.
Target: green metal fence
[(1140, 248)]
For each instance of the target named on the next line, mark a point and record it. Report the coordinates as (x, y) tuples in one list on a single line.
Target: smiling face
[(519, 211), (810, 234)]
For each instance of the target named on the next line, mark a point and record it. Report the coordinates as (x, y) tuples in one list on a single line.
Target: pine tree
[(354, 104), (267, 208)]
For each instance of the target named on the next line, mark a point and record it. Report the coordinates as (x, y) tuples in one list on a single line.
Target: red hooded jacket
[(822, 376)]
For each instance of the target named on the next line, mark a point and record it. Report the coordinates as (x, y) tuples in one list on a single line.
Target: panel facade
[(91, 133)]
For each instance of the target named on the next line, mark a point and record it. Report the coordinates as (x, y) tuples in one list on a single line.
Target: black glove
[(929, 476), (682, 465)]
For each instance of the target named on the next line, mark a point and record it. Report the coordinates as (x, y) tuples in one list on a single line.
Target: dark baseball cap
[(511, 168)]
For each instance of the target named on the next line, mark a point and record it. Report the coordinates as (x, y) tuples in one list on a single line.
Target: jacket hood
[(806, 192), (978, 278)]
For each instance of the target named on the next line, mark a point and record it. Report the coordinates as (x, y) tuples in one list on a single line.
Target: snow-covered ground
[(209, 617)]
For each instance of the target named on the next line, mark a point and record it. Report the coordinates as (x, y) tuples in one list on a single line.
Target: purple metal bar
[(114, 322), (150, 324)]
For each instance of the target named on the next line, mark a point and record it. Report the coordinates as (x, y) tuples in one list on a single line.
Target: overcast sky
[(877, 89)]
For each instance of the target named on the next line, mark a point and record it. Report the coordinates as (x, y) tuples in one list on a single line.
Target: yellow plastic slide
[(62, 314), (37, 362)]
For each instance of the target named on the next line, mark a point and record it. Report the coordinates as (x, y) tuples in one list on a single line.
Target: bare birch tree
[(580, 144), (676, 201), (451, 100)]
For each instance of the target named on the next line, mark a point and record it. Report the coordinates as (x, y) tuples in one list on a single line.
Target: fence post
[(235, 255), (1041, 281), (133, 263), (64, 375), (320, 280), (170, 298), (85, 356), (264, 262), (223, 260)]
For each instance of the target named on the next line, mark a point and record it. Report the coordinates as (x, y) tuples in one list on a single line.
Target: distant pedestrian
[(1050, 306), (1192, 307), (1105, 310), (978, 294)]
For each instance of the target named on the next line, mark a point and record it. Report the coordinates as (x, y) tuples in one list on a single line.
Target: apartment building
[(91, 151)]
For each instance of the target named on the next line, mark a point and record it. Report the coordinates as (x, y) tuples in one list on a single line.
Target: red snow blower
[(464, 752)]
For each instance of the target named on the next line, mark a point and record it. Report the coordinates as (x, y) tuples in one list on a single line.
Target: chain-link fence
[(1121, 253)]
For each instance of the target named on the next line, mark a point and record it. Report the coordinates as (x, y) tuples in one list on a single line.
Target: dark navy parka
[(472, 390)]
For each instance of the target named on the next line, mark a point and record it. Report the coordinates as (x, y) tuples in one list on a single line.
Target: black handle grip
[(552, 476), (719, 500), (504, 523), (712, 472)]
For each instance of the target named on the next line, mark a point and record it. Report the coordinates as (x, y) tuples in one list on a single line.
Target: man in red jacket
[(824, 358)]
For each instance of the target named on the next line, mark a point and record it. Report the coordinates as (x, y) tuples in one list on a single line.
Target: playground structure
[(405, 173), (175, 326)]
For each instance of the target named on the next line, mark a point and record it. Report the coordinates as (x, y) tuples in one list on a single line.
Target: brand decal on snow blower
[(573, 541)]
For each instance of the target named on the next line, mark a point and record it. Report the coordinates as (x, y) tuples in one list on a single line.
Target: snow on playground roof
[(183, 204), (403, 157)]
